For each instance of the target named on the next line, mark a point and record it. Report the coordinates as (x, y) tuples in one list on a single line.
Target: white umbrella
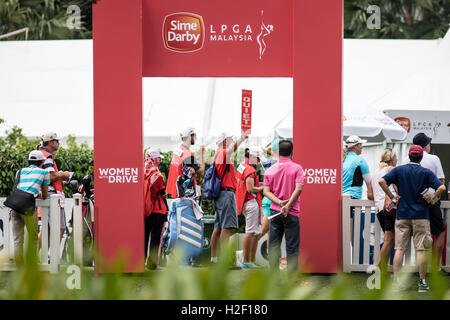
[(362, 121)]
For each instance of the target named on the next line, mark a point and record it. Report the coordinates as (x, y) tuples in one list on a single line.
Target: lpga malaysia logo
[(185, 32), (119, 175)]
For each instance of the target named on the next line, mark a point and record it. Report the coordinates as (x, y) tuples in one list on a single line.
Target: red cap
[(415, 150)]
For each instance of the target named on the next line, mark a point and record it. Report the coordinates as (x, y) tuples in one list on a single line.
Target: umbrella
[(362, 121)]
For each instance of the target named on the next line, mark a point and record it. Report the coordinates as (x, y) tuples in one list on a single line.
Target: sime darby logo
[(119, 175), (404, 122), (183, 32)]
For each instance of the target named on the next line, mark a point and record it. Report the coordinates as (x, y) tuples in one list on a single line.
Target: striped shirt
[(32, 179), (49, 166)]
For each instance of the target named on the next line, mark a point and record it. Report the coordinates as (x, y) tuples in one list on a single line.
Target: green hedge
[(15, 147), (14, 150)]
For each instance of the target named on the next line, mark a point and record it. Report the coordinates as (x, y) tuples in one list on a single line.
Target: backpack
[(212, 183)]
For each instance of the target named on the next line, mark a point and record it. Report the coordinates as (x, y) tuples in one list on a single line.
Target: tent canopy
[(358, 120)]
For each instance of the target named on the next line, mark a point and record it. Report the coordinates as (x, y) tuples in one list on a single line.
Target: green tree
[(14, 150), (400, 19)]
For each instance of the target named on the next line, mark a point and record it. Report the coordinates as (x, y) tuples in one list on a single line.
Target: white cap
[(353, 141), (222, 137), (36, 155), (187, 132), (153, 153), (257, 152), (49, 136)]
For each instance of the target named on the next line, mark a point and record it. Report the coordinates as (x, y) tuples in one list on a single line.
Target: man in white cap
[(249, 202), (35, 180), (225, 205), (154, 220), (50, 145), (355, 171), (355, 168), (188, 137)]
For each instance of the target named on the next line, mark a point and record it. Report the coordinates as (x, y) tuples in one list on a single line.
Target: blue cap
[(275, 144)]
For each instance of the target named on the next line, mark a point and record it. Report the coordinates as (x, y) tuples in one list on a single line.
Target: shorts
[(387, 222), (252, 214), (420, 231), (436, 220), (225, 210), (266, 206)]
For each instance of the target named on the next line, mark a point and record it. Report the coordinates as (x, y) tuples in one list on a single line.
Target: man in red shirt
[(249, 202), (154, 222), (225, 205), (188, 137)]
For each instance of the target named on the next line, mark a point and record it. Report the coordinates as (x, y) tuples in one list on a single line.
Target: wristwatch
[(280, 203)]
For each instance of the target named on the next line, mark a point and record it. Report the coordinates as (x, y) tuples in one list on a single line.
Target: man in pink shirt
[(283, 184)]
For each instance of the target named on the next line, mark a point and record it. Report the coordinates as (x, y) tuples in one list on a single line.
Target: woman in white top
[(386, 219)]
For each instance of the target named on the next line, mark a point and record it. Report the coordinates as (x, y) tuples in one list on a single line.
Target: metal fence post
[(346, 233), (78, 229), (54, 232)]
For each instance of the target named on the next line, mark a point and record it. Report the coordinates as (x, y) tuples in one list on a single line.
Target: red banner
[(246, 115), (197, 38), (217, 38)]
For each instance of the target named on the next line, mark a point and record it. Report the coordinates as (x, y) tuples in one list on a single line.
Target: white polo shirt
[(433, 163)]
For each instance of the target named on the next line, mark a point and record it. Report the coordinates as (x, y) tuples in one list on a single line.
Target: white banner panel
[(435, 124)]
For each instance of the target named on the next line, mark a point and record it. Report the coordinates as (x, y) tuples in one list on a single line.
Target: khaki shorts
[(252, 214), (420, 231)]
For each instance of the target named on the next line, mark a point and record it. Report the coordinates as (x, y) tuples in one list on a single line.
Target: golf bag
[(184, 232)]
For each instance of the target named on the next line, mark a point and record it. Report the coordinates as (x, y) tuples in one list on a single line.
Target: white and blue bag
[(185, 231)]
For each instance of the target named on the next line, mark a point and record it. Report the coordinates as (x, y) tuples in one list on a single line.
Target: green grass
[(204, 283), (217, 282)]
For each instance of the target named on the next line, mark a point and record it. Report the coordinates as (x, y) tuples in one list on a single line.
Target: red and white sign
[(248, 38), (217, 38), (404, 122), (246, 115), (183, 32)]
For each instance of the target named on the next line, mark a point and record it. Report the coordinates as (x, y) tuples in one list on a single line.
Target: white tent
[(427, 88), (358, 120), (52, 82)]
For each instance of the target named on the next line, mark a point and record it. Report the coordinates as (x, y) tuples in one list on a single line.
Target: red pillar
[(317, 59), (118, 150)]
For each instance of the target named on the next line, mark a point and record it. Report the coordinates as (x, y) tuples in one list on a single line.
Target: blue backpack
[(211, 182)]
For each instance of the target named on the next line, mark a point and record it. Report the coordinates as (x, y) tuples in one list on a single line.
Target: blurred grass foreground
[(217, 282)]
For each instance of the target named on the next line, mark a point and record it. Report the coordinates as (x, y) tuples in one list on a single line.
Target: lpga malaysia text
[(119, 175)]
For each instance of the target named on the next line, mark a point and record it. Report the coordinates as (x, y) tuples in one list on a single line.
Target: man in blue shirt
[(355, 170), (412, 210), (34, 180)]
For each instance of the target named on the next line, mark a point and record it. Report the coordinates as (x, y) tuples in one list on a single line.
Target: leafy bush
[(15, 147), (14, 150)]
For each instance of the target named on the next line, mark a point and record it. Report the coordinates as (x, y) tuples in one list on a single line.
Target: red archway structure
[(301, 39)]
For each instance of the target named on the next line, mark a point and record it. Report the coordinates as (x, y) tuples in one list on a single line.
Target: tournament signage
[(435, 124), (133, 39), (246, 115), (217, 38), (183, 32)]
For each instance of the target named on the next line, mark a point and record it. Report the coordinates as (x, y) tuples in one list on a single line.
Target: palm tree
[(12, 18), (400, 19), (47, 19)]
